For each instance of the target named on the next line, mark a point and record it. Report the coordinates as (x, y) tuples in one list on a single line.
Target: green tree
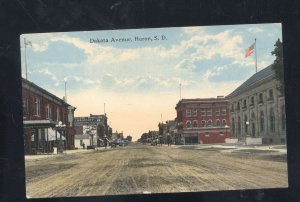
[(278, 64)]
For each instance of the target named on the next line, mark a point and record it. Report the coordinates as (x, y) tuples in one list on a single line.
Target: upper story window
[(37, 106), (25, 106), (203, 112), (188, 112), (232, 108), (209, 123), (224, 122), (209, 112), (238, 106), (260, 98), (252, 101), (195, 124), (224, 112), (271, 95), (188, 124), (217, 112), (218, 123), (244, 103), (203, 123), (48, 112), (194, 112)]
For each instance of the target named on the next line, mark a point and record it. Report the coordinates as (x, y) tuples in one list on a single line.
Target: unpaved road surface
[(139, 169)]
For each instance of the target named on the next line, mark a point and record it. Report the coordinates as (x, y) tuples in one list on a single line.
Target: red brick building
[(203, 121), (42, 111)]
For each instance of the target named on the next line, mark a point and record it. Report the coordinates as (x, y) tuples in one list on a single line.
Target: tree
[(278, 64), (129, 138)]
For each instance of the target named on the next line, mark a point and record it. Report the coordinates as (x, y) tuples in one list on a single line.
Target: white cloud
[(46, 72), (255, 29)]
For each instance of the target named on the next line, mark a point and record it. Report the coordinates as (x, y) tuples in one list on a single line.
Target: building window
[(244, 104), (195, 124), (217, 112), (238, 107), (232, 108), (283, 117), (209, 123), (253, 124), (48, 112), (188, 113), (25, 106), (223, 112), (37, 107), (188, 124), (194, 112), (272, 120), (239, 125), (252, 101), (224, 122), (271, 96), (209, 112), (260, 98), (218, 124), (81, 142), (203, 123), (203, 113), (262, 121)]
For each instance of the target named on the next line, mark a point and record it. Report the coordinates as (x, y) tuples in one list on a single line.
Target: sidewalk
[(51, 155)]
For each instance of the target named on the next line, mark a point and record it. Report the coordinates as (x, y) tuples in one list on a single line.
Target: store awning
[(52, 135), (39, 124)]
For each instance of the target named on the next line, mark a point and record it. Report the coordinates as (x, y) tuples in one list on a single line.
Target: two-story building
[(42, 111)]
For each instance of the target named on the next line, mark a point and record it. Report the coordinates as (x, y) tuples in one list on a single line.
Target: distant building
[(42, 111), (168, 131), (257, 109), (117, 135), (94, 125), (202, 120), (82, 141)]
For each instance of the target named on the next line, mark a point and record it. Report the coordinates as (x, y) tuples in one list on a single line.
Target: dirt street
[(154, 169)]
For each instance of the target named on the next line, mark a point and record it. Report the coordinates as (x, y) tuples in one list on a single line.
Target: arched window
[(262, 121), (272, 120), (209, 123), (218, 124), (203, 123), (224, 122), (195, 124), (188, 124)]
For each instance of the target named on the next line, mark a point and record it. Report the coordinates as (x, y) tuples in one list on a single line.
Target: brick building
[(42, 111), (203, 120), (95, 126)]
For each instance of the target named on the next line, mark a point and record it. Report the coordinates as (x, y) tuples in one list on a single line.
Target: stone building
[(42, 111), (203, 120), (257, 109)]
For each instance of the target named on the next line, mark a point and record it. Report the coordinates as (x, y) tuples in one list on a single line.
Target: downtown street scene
[(162, 110)]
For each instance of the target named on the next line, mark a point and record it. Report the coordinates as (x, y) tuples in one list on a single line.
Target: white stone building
[(257, 109)]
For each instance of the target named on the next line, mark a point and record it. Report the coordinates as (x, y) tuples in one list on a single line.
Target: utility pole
[(26, 43)]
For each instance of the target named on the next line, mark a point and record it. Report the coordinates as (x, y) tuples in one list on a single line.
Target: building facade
[(203, 121), (257, 109), (167, 131), (95, 126), (42, 111)]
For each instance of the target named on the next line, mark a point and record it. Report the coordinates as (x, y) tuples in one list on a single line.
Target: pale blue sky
[(139, 81)]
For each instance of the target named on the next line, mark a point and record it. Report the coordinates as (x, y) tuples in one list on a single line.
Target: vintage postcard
[(160, 110)]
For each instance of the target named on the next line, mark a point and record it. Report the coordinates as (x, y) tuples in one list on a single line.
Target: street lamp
[(60, 128)]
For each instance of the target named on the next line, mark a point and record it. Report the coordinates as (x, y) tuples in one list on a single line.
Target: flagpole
[(255, 56)]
